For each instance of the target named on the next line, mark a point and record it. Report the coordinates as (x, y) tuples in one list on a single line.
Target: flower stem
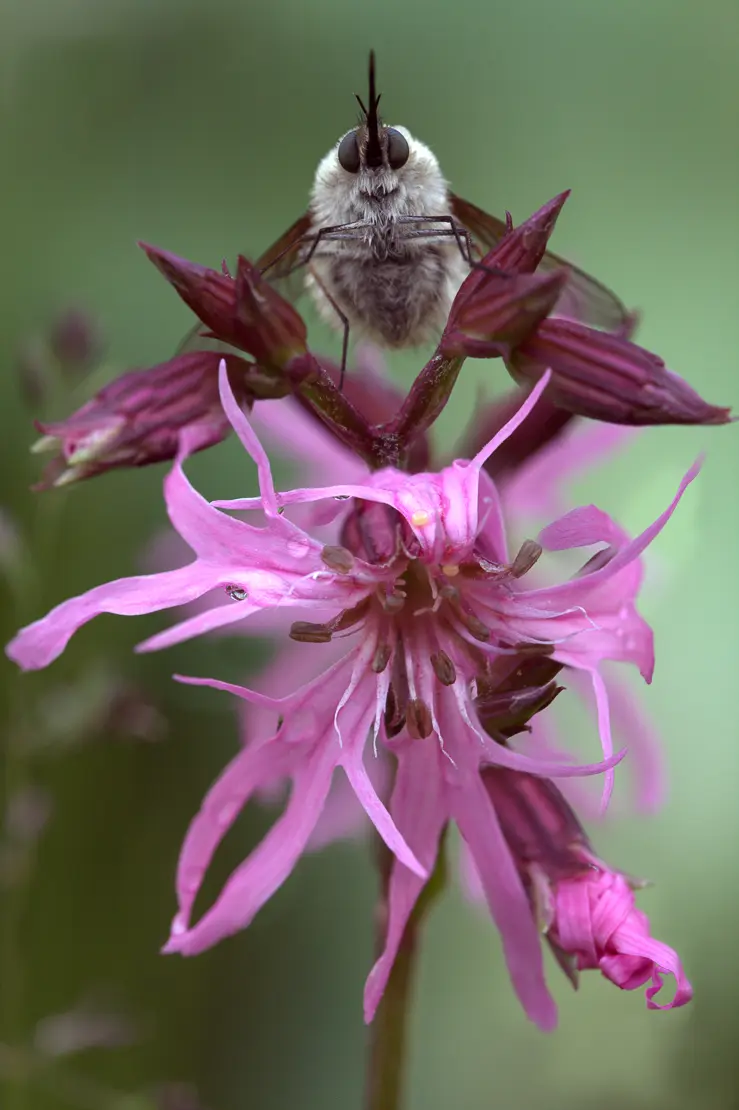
[(388, 1050)]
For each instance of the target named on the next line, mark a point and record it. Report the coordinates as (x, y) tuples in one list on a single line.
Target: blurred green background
[(197, 127)]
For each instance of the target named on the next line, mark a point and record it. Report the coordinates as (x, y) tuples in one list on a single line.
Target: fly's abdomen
[(397, 302)]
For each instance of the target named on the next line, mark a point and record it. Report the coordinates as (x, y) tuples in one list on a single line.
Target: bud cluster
[(517, 304)]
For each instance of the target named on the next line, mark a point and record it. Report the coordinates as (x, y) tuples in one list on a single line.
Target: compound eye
[(398, 150), (348, 153)]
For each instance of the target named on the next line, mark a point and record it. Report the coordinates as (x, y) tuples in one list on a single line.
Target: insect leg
[(461, 234), (335, 232), (342, 317)]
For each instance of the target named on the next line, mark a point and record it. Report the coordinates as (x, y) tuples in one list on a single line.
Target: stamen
[(392, 603), (420, 518), (306, 633), (474, 625), (418, 719), (450, 571), (349, 617), (394, 714), (338, 559), (485, 568), (529, 647), (382, 657), (528, 555), (444, 668)]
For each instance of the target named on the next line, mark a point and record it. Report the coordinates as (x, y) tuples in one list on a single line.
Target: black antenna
[(373, 154)]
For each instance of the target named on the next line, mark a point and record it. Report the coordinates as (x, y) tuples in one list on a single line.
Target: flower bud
[(606, 377), (245, 312), (138, 418), (521, 250), (494, 312)]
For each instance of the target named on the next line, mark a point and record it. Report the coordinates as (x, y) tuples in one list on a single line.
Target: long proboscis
[(373, 154)]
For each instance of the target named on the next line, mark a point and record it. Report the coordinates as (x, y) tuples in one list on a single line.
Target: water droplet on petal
[(623, 613), (298, 548), (236, 593)]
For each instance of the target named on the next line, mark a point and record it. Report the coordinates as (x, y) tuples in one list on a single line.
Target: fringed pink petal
[(266, 869), (38, 644), (508, 429), (508, 902), (249, 770), (222, 616), (244, 431)]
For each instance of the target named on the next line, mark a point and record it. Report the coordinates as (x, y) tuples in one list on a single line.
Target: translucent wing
[(279, 260), (277, 263), (583, 298)]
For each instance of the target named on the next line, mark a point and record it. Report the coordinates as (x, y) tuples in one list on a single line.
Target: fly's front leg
[(461, 235), (453, 228), (335, 233)]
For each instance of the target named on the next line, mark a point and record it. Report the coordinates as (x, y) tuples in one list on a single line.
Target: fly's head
[(376, 173)]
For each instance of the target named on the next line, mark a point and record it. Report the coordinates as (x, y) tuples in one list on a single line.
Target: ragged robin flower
[(429, 601)]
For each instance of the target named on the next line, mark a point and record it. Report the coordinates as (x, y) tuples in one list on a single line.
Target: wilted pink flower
[(585, 909), (596, 921), (139, 417), (423, 576)]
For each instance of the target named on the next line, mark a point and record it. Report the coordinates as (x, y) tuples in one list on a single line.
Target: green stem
[(388, 1051)]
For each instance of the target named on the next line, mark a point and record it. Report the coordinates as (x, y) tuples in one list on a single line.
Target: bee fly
[(385, 244)]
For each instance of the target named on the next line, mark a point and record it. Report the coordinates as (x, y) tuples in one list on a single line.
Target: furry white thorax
[(393, 290)]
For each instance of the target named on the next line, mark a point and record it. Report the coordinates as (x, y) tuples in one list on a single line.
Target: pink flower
[(424, 592), (532, 482), (585, 909)]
